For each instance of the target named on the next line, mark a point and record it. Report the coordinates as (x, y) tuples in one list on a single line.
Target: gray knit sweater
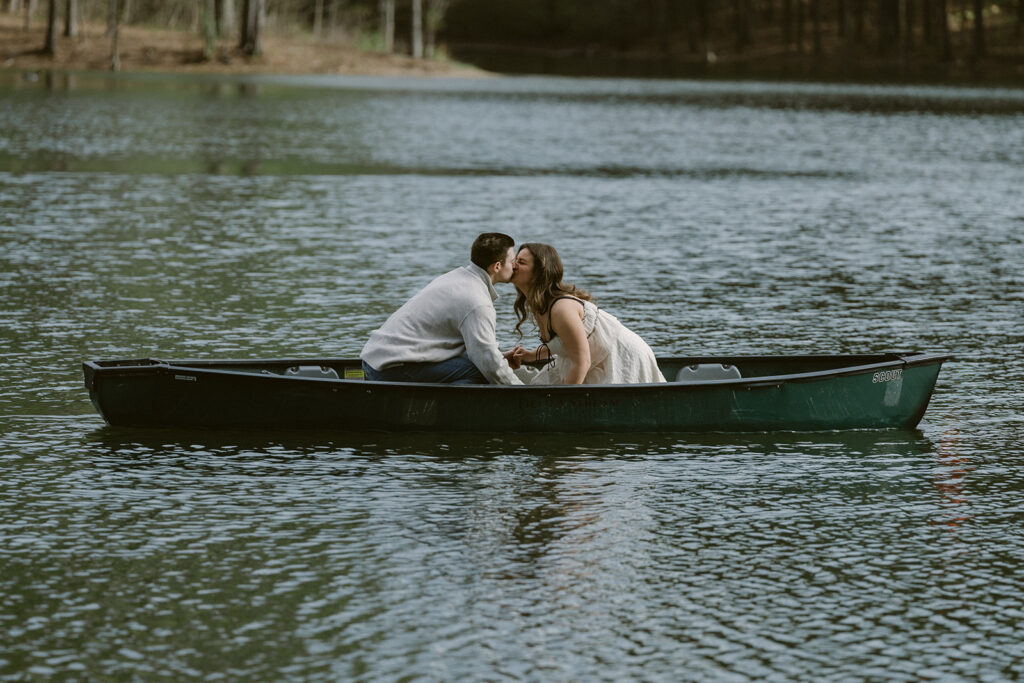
[(451, 316)]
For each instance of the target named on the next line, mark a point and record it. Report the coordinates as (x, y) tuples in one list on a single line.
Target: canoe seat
[(707, 371), (318, 371)]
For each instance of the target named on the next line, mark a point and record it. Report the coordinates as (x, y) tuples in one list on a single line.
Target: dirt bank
[(151, 49)]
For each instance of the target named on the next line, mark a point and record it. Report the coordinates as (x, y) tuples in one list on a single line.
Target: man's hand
[(514, 358)]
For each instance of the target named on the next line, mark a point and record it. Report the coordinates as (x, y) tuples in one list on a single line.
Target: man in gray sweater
[(446, 332)]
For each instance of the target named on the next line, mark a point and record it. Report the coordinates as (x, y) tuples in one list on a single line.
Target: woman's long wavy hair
[(545, 285)]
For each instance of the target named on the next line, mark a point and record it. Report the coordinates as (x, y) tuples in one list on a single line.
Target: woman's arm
[(568, 325)]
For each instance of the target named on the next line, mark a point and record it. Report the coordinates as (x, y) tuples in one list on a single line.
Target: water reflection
[(951, 472), (459, 447)]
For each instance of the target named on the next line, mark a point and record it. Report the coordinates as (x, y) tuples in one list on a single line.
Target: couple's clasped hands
[(518, 355)]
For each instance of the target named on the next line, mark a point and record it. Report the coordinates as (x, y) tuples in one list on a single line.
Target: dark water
[(201, 217)]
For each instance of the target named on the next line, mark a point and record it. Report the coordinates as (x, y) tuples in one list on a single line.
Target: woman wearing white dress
[(586, 344)]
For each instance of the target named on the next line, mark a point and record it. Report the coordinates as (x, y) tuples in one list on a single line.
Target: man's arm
[(478, 332)]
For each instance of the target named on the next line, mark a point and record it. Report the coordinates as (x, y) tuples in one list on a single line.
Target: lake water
[(262, 217)]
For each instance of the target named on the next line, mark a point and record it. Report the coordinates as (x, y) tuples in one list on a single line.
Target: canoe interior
[(749, 366)]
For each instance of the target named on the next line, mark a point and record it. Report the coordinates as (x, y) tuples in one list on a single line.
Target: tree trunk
[(225, 18), (816, 25), (888, 25), (50, 48), (251, 33), (70, 18), (208, 27), (318, 18), (387, 22), (901, 22), (112, 25), (436, 10), (926, 22), (417, 29), (848, 36), (979, 29), (861, 11), (787, 23), (244, 25), (259, 21), (908, 26), (704, 14), (800, 26), (662, 22), (14, 6), (30, 8), (690, 21), (947, 43), (741, 16)]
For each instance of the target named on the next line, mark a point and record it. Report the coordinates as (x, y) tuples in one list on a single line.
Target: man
[(446, 332)]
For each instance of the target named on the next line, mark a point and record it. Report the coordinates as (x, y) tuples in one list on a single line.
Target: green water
[(203, 217)]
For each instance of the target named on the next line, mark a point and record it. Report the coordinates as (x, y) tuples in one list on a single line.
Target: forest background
[(875, 39)]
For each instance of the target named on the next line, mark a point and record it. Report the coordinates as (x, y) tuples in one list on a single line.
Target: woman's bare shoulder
[(566, 307)]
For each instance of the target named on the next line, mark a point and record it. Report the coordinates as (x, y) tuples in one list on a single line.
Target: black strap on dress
[(551, 331)]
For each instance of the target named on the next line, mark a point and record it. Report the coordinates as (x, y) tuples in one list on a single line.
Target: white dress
[(617, 356)]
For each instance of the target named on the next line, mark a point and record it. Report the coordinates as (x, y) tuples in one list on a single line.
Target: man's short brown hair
[(490, 248)]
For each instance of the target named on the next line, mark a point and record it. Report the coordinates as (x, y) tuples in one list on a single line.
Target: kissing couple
[(446, 332)]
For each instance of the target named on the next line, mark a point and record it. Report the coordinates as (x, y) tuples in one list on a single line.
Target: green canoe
[(727, 394)]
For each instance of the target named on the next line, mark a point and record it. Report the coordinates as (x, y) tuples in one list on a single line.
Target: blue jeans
[(458, 370)]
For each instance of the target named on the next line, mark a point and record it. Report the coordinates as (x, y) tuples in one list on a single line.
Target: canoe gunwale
[(216, 367)]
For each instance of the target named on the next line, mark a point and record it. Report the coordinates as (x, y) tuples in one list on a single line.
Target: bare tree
[(251, 33), (208, 27), (70, 18), (706, 33), (947, 42), (901, 21), (979, 29), (908, 25), (800, 25), (243, 27), (30, 9), (861, 18), (387, 23), (787, 23), (889, 16), (926, 22), (225, 11), (113, 23), (50, 48), (741, 17), (417, 29), (816, 25), (434, 19)]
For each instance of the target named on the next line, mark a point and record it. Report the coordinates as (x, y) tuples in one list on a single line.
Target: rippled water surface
[(197, 217)]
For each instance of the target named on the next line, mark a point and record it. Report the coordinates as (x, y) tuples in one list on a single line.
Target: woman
[(587, 345)]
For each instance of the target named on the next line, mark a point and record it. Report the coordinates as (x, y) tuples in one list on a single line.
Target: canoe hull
[(889, 393)]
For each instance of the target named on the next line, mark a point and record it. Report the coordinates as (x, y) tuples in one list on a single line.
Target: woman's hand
[(514, 358)]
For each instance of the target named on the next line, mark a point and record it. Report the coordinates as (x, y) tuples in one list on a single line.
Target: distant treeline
[(710, 30)]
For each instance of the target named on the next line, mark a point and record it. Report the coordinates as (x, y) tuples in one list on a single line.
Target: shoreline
[(175, 51), (157, 50)]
